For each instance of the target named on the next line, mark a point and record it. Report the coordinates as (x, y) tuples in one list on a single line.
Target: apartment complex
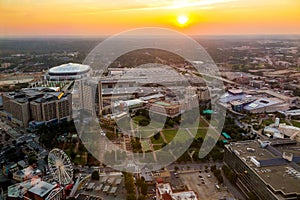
[(36, 105)]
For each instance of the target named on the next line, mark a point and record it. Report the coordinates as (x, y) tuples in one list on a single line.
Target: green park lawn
[(158, 141), (145, 145), (201, 133), (169, 134), (295, 123), (267, 122), (182, 135)]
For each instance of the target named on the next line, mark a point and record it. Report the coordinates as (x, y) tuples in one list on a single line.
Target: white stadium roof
[(69, 68)]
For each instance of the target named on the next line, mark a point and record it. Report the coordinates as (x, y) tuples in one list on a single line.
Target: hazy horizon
[(229, 36)]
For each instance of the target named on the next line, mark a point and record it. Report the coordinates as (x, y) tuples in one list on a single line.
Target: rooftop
[(228, 97), (19, 189), (235, 91), (166, 191), (155, 96), (150, 73), (69, 68), (129, 103), (292, 112), (40, 94), (261, 103), (243, 101), (164, 188), (188, 195), (42, 188), (275, 94), (268, 163), (162, 103)]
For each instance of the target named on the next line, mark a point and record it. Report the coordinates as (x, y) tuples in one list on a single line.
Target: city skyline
[(97, 18)]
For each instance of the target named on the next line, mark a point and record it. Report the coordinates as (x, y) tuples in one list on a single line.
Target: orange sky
[(105, 17)]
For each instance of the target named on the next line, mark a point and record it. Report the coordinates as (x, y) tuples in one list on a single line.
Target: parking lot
[(205, 185)]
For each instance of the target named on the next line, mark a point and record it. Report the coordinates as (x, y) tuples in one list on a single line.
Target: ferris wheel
[(60, 166)]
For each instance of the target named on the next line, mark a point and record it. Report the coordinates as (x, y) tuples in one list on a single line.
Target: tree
[(156, 136), (142, 197), (73, 155), (32, 160), (129, 183), (213, 168), (95, 175), (6, 137), (144, 122), (144, 188), (217, 173), (216, 154), (131, 196), (136, 145), (170, 122), (176, 168)]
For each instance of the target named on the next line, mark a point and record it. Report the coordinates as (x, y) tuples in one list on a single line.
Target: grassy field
[(157, 147), (201, 133), (145, 145), (147, 132), (295, 123), (138, 118), (79, 159), (124, 124), (182, 135), (176, 135), (158, 141), (169, 134), (267, 122), (155, 124)]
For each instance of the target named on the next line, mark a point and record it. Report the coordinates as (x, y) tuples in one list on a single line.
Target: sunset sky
[(105, 17)]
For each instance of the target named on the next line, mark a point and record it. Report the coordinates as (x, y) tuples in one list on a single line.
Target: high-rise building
[(85, 96), (36, 105)]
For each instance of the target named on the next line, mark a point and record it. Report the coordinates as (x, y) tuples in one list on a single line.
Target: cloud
[(174, 4), (149, 5)]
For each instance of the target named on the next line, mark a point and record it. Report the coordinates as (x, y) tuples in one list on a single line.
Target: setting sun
[(182, 19), (72, 17)]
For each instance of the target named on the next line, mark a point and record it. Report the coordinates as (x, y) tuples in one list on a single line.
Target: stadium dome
[(69, 71)]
